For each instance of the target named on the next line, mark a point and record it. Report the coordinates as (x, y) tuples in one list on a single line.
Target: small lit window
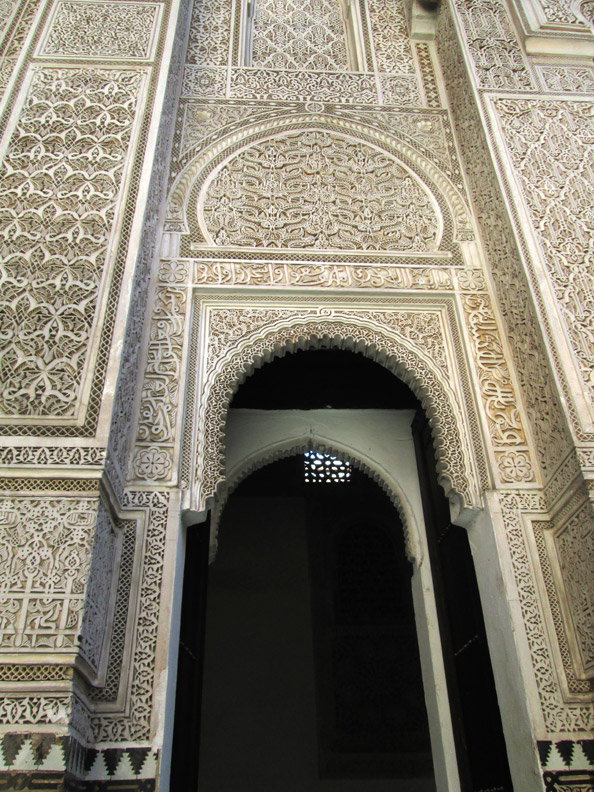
[(325, 469)]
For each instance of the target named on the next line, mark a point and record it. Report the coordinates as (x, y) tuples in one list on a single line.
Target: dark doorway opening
[(312, 671), (335, 378)]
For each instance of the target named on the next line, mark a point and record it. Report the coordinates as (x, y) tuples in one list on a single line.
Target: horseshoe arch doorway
[(347, 695)]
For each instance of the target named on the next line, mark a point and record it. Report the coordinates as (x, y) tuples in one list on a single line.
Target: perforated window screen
[(325, 469)]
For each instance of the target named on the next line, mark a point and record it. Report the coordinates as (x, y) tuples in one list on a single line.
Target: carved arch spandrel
[(270, 454), (410, 344), (199, 164)]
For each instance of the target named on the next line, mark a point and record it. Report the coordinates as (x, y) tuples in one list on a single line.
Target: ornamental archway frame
[(418, 342)]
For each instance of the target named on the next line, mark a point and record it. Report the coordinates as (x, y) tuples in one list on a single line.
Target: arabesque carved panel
[(317, 189), (45, 548), (498, 58), (102, 30), (299, 34), (557, 182), (58, 201)]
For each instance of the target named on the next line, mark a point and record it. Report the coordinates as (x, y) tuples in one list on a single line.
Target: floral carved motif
[(210, 31), (299, 34), (557, 181), (574, 542), (54, 252), (290, 86), (317, 189), (102, 30), (497, 56), (390, 37), (45, 548)]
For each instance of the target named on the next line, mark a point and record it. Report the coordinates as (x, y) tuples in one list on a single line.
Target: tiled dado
[(567, 765), (47, 761)]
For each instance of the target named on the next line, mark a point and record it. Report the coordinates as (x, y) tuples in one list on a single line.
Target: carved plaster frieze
[(523, 514), (516, 300), (556, 185), (311, 86), (102, 30), (52, 288)]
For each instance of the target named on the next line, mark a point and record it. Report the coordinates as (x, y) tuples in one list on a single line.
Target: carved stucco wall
[(538, 249), (89, 98), (81, 110), (218, 139)]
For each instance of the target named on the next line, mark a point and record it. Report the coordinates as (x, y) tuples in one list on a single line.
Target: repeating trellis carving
[(574, 542), (299, 34), (557, 716), (99, 585), (316, 189), (54, 252), (542, 404), (102, 30), (45, 549), (567, 79), (557, 181), (390, 37), (239, 338), (497, 56), (210, 32)]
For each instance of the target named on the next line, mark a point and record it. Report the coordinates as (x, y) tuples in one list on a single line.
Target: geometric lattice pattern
[(319, 468)]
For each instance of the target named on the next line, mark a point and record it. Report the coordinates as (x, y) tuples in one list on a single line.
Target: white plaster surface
[(381, 439)]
